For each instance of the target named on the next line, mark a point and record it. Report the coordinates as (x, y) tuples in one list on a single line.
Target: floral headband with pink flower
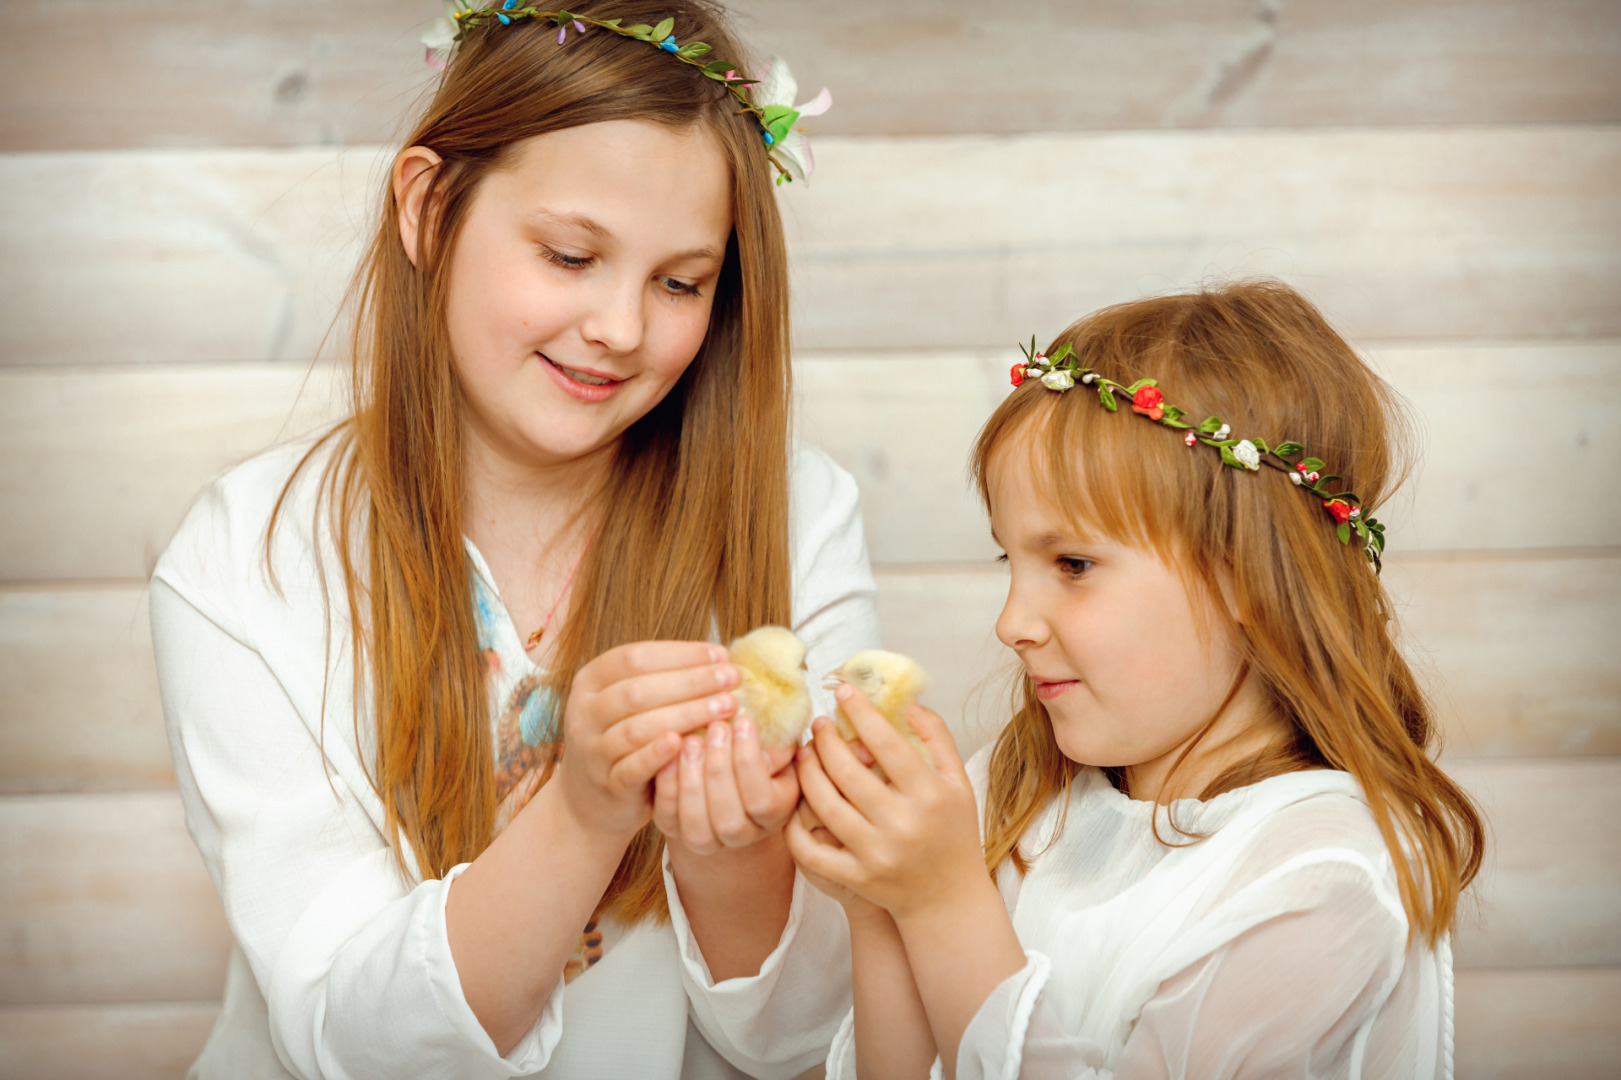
[(1062, 371), (770, 102)]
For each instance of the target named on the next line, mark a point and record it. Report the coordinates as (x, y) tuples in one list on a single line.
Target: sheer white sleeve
[(1281, 979), (779, 1022), (351, 957)]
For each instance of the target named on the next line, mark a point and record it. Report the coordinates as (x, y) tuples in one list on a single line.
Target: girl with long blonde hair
[(450, 720), (1218, 844)]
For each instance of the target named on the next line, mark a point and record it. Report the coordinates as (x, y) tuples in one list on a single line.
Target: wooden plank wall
[(188, 185)]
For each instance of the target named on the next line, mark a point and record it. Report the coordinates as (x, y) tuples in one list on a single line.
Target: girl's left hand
[(904, 842), (724, 791)]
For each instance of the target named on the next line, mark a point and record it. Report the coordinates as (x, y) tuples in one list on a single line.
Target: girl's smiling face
[(1129, 663), (581, 284)]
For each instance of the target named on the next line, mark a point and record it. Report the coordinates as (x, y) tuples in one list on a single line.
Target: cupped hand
[(725, 790), (901, 844), (624, 721)]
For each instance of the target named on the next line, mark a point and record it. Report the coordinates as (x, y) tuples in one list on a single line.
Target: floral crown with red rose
[(1062, 371), (770, 101)]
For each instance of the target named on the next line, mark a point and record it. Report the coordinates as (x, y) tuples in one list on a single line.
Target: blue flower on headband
[(668, 44)]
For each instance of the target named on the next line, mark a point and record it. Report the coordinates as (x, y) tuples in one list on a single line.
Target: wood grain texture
[(104, 899), (950, 242), (187, 73), (91, 1042), (97, 465), (1520, 655), (1538, 1025), (79, 693), (107, 460)]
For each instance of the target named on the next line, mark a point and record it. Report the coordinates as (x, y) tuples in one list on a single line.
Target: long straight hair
[(1310, 615), (692, 523)]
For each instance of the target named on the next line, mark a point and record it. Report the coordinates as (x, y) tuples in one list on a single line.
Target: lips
[(1047, 689), (583, 376), (583, 384)]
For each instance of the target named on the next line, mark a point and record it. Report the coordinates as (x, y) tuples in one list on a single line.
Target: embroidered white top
[(1275, 947), (341, 967)]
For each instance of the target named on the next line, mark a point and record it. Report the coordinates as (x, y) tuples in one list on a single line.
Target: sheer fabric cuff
[(992, 1045), (778, 1021)]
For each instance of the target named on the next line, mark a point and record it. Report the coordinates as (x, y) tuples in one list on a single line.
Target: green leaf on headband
[(1286, 448), (1210, 424), (612, 22), (1344, 533), (1140, 383), (1063, 352), (694, 48), (1168, 422), (1107, 397), (662, 30), (1260, 444), (718, 67), (1228, 458), (1313, 464), (1173, 413), (641, 30)]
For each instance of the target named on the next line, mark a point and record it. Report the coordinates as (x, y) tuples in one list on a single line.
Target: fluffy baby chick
[(891, 682), (773, 692)]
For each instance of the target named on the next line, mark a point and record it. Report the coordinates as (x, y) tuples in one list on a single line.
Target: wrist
[(579, 822)]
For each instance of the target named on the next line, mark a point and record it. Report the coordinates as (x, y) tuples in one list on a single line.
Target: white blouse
[(1275, 947), (341, 967)]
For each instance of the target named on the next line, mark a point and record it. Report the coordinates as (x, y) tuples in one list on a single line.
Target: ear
[(411, 177)]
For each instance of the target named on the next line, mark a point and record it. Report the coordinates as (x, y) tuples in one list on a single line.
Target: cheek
[(680, 334)]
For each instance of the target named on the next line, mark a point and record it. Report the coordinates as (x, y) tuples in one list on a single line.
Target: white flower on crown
[(1222, 432), (440, 38), (1058, 380), (777, 87), (1247, 455)]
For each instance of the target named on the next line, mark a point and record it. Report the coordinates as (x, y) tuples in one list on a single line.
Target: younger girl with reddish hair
[(1217, 843)]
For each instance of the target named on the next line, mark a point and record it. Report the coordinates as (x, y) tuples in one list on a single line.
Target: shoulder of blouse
[(216, 558)]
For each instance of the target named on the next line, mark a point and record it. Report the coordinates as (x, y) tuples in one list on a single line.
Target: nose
[(616, 318), (1020, 624)]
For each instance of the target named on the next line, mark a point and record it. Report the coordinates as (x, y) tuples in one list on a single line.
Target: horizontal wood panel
[(297, 73), (93, 1042), (101, 464), (1476, 233), (1520, 655), (97, 465), (1421, 234), (1538, 1025), (79, 693), (105, 900)]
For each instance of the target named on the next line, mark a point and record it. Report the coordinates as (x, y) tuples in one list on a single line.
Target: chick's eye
[(568, 262), (1074, 565)]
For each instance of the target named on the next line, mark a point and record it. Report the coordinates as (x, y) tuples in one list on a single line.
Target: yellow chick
[(773, 692), (891, 682)]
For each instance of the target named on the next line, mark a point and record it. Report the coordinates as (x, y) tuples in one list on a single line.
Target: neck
[(1245, 728), (518, 505)]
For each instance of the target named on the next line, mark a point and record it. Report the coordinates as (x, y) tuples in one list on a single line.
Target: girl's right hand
[(624, 720)]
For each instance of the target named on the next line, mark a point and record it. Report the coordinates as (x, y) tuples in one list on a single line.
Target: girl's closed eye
[(677, 287), (563, 259)]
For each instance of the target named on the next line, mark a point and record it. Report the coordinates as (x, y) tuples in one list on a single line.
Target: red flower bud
[(1018, 374), (1340, 510), (1149, 401)]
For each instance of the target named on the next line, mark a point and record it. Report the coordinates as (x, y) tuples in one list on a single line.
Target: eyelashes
[(673, 286)]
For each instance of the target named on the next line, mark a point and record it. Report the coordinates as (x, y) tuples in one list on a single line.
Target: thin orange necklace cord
[(534, 639)]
